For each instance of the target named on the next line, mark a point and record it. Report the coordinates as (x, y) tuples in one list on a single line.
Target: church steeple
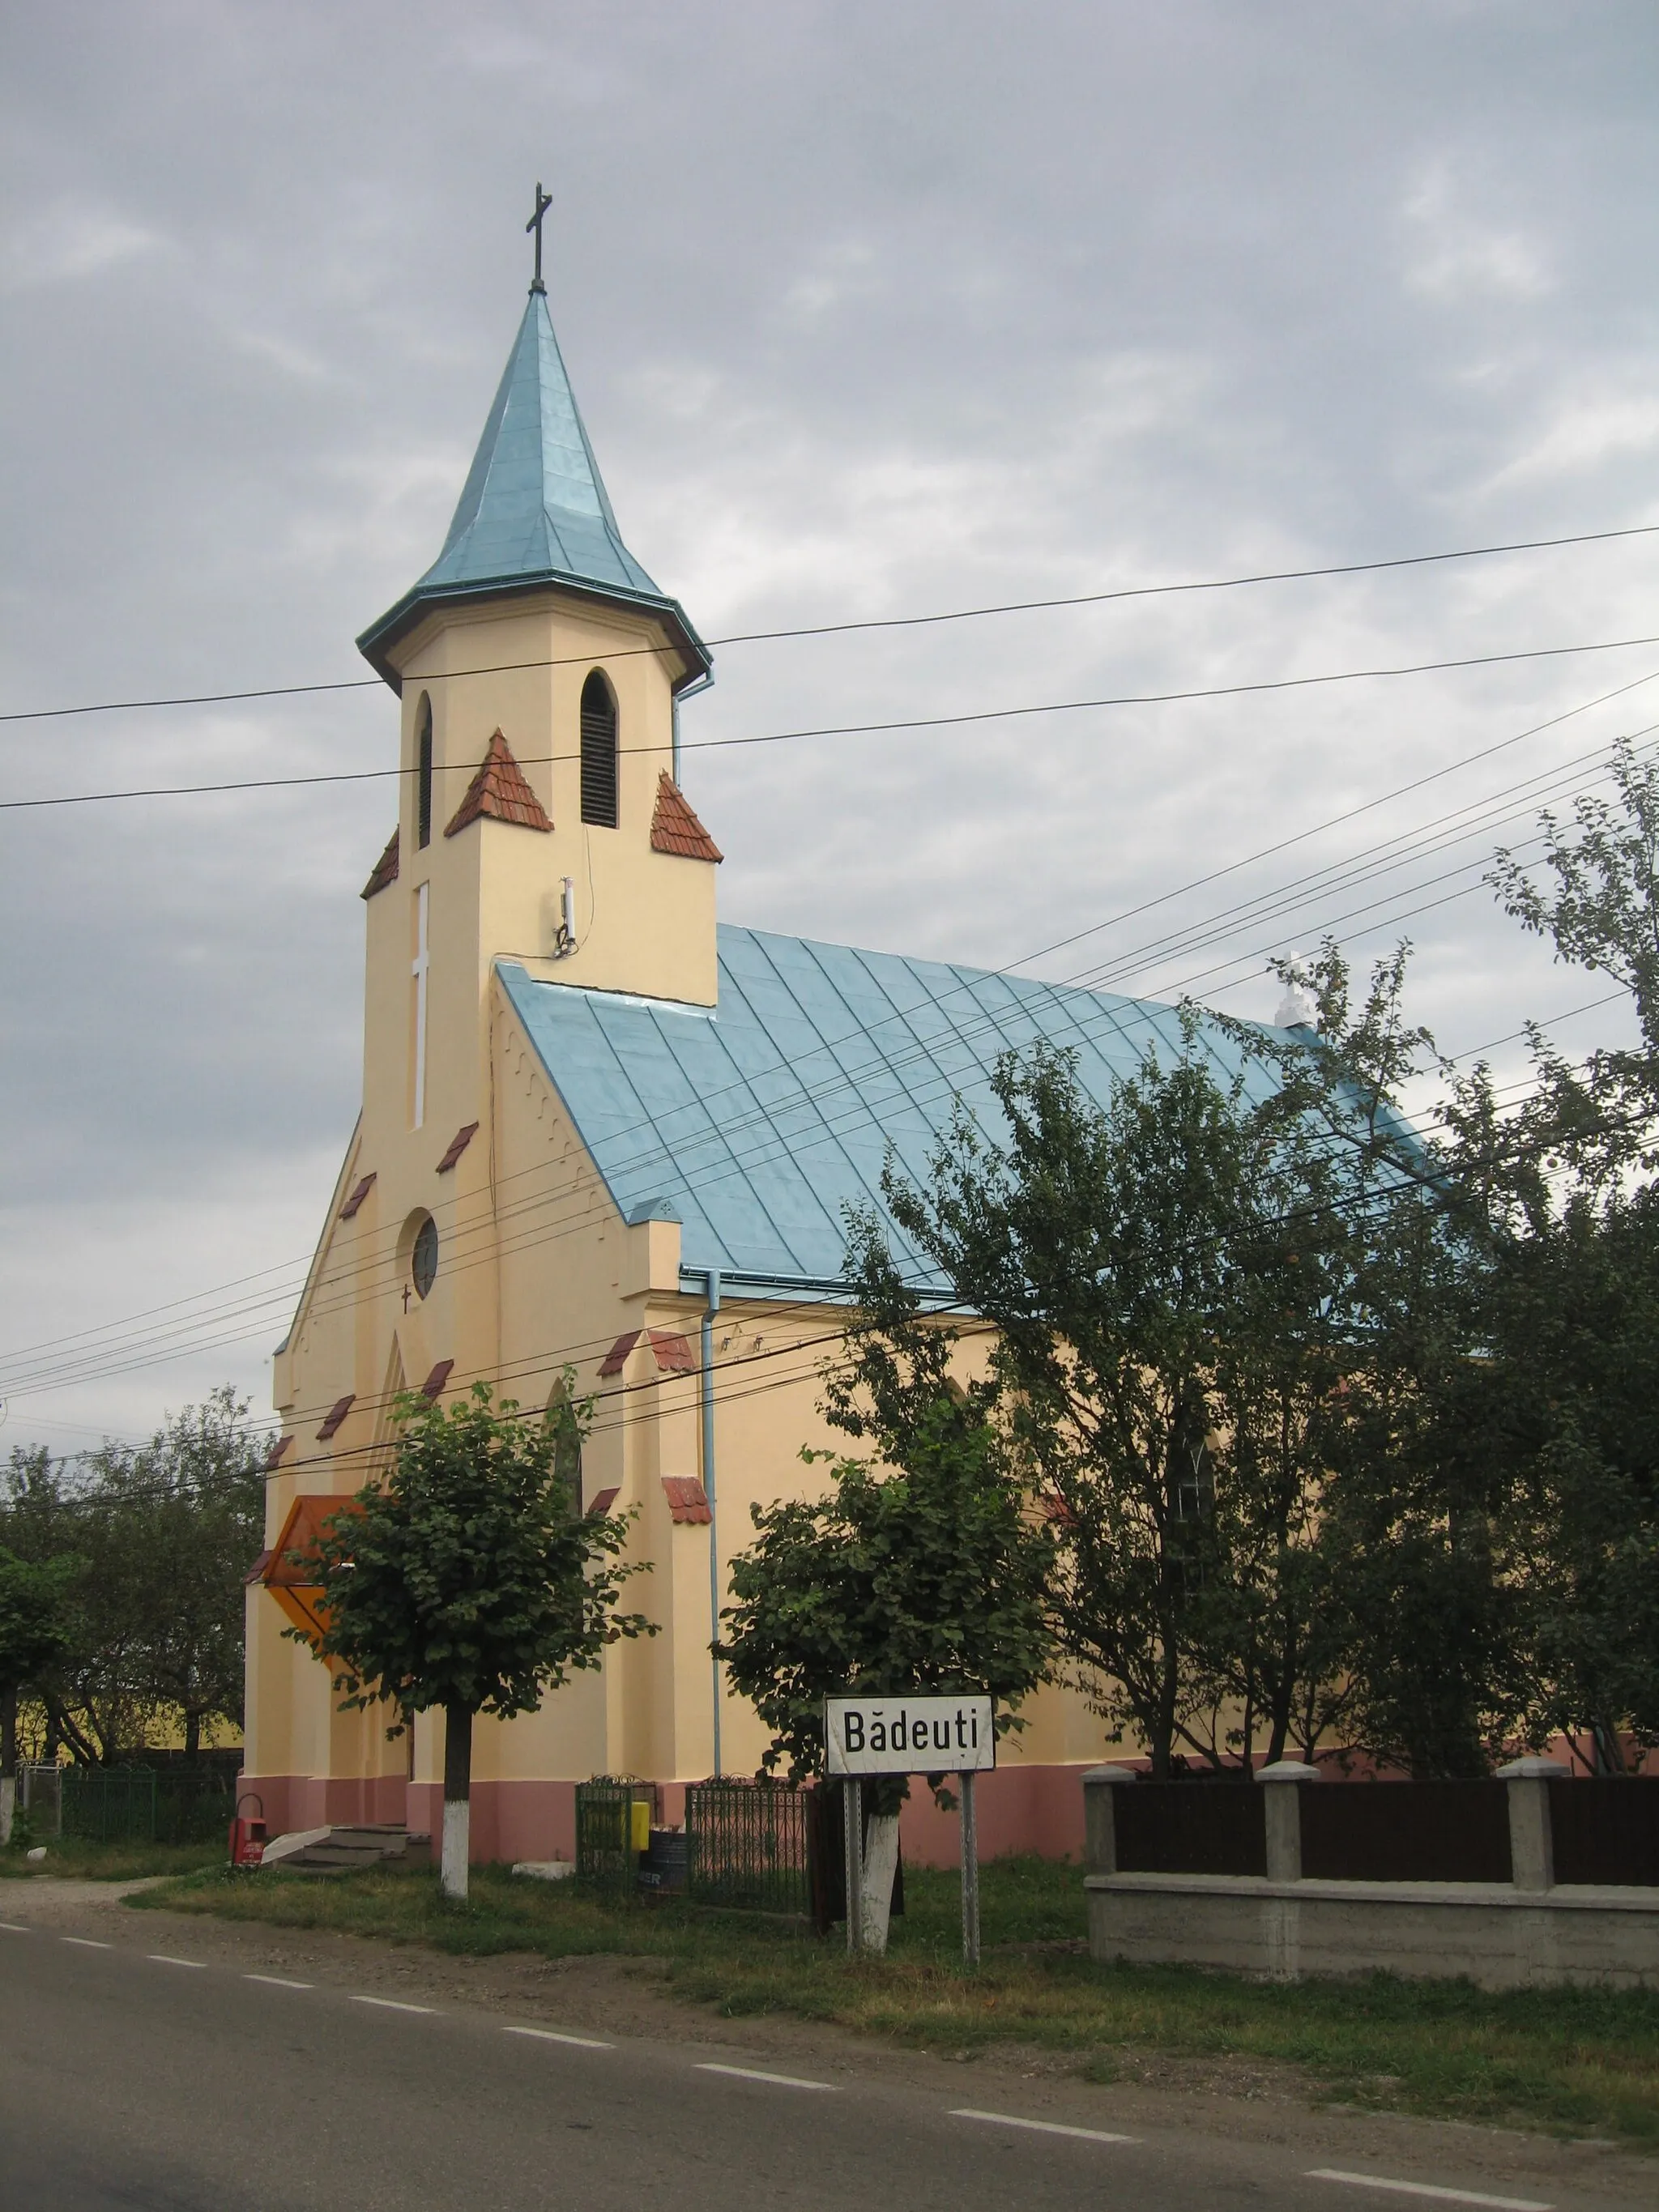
[(534, 511)]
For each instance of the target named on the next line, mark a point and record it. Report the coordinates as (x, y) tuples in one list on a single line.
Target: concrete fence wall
[(1280, 1925)]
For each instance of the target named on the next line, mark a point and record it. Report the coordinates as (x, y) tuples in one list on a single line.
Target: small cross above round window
[(423, 1260)]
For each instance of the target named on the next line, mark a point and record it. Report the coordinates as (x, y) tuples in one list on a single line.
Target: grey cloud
[(869, 312)]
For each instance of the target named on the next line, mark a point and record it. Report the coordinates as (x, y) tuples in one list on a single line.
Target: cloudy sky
[(872, 310)]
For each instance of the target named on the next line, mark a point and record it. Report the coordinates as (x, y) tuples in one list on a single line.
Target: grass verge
[(87, 1861), (1572, 2061)]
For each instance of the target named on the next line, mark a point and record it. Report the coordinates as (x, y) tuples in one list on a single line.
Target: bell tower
[(539, 668)]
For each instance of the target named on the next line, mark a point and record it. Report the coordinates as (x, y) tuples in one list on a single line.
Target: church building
[(602, 1130)]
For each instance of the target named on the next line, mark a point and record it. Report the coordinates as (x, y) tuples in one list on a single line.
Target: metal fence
[(608, 1837), (1405, 1831), (746, 1845), (1606, 1829), (1190, 1827), (128, 1804)]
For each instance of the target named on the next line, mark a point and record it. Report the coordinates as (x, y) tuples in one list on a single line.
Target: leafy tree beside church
[(469, 1581)]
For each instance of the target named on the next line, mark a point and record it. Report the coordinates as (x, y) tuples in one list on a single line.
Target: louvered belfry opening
[(424, 777), (598, 753)]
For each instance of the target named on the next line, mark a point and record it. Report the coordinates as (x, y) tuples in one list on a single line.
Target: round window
[(423, 1260)]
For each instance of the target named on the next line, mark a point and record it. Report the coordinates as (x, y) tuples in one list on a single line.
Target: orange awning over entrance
[(289, 1570)]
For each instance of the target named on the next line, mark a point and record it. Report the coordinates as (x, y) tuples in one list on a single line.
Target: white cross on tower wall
[(419, 971)]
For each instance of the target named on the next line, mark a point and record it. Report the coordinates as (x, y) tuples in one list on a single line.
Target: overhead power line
[(864, 729), (541, 1363), (93, 1345), (875, 623)]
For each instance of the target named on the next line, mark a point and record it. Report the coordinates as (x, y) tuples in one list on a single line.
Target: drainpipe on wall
[(709, 1311), (687, 691)]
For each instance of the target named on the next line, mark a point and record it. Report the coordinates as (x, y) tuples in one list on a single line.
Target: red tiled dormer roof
[(687, 1500), (500, 790), (676, 829), (357, 1197), (435, 1382), (385, 870), (458, 1144), (671, 1351), (336, 1414)]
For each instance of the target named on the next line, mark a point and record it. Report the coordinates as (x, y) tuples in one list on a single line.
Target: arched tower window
[(598, 752), (424, 771)]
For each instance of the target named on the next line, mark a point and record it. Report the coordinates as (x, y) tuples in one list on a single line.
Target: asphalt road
[(136, 2073)]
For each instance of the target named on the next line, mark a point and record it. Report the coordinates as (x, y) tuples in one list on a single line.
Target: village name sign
[(909, 1734), (914, 1733)]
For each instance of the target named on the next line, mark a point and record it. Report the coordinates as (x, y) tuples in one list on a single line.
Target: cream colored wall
[(645, 921), (536, 1271)]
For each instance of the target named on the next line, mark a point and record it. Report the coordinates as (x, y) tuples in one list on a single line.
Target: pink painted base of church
[(1016, 1808), (1021, 1808), (510, 1819)]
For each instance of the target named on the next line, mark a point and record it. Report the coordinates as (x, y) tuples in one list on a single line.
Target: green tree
[(1569, 1412), (1598, 903), (34, 1633), (1424, 1623), (179, 1520), (924, 1569), (468, 1580), (1169, 1278), (1563, 1393), (162, 1534)]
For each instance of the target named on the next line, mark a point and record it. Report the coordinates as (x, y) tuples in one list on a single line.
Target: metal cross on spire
[(543, 200)]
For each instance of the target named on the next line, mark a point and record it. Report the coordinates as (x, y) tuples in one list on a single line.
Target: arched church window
[(598, 752), (424, 771), (423, 1257)]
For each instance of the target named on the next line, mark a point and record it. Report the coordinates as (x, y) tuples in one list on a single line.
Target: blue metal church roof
[(756, 1122), (534, 509)]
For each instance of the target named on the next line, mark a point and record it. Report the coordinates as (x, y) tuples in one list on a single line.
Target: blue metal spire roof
[(755, 1122), (534, 510)]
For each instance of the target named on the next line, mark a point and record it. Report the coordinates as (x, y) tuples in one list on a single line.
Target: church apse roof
[(758, 1121), (534, 510)]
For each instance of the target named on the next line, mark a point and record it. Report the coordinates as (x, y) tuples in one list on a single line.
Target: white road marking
[(166, 1959), (85, 1942), (551, 2035), (754, 2074), (275, 1982), (393, 2004), (15, 1928), (1428, 2189), (1042, 2127)]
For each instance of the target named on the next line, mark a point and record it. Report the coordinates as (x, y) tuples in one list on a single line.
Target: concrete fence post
[(1281, 1811), (1100, 1784), (1532, 1845)]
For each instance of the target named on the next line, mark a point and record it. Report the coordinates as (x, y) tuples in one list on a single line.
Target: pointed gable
[(676, 829), (500, 790)]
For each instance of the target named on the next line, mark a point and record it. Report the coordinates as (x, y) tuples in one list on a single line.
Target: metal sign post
[(920, 1732), (970, 1873), (852, 1806)]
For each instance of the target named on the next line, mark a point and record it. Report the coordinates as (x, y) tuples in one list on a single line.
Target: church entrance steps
[(345, 1848)]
